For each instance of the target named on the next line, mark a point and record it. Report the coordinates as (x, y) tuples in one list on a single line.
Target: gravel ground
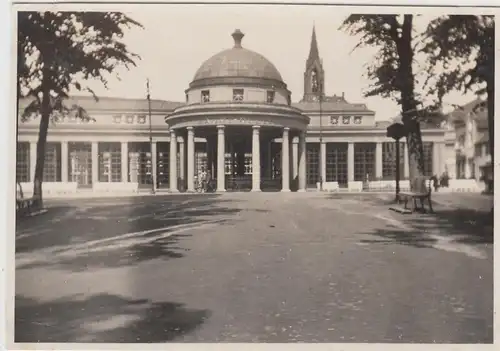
[(266, 267)]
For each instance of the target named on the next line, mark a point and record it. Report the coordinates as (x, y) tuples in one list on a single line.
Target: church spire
[(313, 51), (314, 76)]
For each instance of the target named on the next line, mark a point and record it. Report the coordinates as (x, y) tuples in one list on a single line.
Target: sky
[(177, 39)]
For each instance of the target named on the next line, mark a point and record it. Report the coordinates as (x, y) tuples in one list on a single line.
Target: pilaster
[(221, 153), (64, 161), (190, 159), (256, 158), (350, 162)]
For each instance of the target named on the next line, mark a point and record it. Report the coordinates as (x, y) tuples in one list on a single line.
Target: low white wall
[(464, 185), (355, 186), (50, 188), (328, 186)]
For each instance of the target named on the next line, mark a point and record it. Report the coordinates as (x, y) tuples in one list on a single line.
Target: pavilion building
[(238, 122)]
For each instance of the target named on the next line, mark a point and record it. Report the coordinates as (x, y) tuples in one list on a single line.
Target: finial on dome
[(237, 36)]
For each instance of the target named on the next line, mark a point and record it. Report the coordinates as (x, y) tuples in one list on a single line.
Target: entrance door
[(163, 165), (80, 164), (139, 158)]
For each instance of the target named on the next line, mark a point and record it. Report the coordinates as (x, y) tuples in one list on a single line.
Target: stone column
[(209, 151), (436, 161), (350, 162), (444, 159), (32, 160), (406, 161), (182, 160), (378, 161), (124, 162), (95, 162), (285, 160), (64, 161), (302, 162), (173, 162), (256, 158), (221, 155), (295, 157), (154, 164), (190, 159), (467, 168), (322, 146)]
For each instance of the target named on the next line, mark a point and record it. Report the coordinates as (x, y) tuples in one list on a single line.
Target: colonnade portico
[(293, 164)]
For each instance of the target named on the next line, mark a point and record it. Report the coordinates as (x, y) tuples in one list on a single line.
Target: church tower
[(314, 76)]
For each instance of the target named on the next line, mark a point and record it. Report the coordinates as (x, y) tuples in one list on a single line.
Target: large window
[(312, 161), (336, 163), (389, 160), (201, 160), (80, 163), (23, 162), (428, 156), (248, 164), (229, 164), (140, 167), (163, 160), (364, 161), (110, 162), (52, 166)]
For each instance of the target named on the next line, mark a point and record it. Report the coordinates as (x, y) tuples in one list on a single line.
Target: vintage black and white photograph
[(252, 173)]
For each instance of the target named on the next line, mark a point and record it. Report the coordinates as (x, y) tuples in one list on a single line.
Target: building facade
[(472, 149), (238, 122)]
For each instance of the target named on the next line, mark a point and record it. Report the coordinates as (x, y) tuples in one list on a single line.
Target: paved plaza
[(246, 267)]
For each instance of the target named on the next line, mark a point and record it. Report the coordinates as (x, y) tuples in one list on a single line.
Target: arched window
[(314, 81)]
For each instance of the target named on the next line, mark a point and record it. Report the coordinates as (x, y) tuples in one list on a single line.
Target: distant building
[(472, 149), (238, 121)]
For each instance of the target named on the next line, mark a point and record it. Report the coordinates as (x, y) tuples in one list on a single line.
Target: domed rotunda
[(240, 105)]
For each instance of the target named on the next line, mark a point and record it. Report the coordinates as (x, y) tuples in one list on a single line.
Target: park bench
[(25, 206), (420, 192)]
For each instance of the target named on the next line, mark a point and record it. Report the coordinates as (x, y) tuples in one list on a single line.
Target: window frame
[(205, 96), (238, 92)]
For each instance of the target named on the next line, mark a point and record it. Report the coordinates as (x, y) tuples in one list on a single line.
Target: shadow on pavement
[(466, 226), (83, 221), (103, 318), (115, 234)]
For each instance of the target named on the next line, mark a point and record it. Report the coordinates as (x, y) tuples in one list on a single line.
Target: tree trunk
[(40, 146), (408, 103), (491, 129)]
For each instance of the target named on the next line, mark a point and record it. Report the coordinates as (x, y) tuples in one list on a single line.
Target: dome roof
[(238, 62)]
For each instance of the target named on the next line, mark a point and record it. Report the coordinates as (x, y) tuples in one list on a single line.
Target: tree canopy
[(454, 43), (468, 40), (58, 51), (391, 73), (459, 52)]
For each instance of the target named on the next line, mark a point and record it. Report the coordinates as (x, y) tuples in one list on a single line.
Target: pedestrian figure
[(435, 182), (202, 176)]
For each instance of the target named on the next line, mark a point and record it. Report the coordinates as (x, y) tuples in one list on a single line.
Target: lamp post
[(396, 131), (153, 175)]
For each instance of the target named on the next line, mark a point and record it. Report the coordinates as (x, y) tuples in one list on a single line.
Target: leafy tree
[(58, 51), (461, 51), (392, 72)]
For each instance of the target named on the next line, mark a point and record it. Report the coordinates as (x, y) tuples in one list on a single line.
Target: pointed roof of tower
[(313, 51)]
